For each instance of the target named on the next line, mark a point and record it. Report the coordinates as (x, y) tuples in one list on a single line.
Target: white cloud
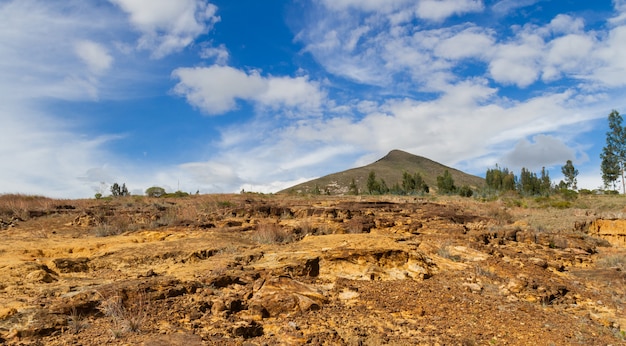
[(219, 54), (518, 62), (469, 43), (42, 154), (94, 55), (216, 89), (169, 26), (505, 7), (441, 9), (384, 6), (564, 24)]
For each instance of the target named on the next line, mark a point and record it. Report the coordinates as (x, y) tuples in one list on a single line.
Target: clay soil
[(254, 269)]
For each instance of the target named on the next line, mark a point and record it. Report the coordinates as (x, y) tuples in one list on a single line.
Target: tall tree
[(373, 186), (545, 182), (570, 173), (609, 167), (614, 153)]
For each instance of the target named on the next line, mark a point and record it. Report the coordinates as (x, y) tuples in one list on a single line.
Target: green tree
[(373, 187), (124, 190), (545, 184), (570, 173), (316, 190), (610, 168), (614, 153), (155, 191), (382, 187), (529, 184), (116, 190), (420, 184), (408, 182), (445, 183), (353, 189), (500, 179)]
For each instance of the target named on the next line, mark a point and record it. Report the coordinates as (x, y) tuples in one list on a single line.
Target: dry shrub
[(500, 215), (270, 233), (112, 226)]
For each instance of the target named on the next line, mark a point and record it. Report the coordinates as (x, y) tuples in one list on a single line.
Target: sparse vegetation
[(125, 316)]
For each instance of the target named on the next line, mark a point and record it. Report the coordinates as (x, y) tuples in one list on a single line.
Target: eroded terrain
[(264, 270)]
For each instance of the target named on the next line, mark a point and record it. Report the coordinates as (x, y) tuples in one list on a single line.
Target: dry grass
[(270, 233), (23, 206), (613, 261), (125, 316), (76, 322)]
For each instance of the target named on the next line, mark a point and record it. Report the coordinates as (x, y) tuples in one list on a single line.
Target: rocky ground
[(269, 270)]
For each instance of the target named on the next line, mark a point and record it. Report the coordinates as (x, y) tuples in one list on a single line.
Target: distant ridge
[(390, 168)]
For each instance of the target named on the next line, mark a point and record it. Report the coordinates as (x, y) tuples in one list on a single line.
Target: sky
[(223, 95)]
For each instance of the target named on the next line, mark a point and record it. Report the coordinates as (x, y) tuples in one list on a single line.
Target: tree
[(353, 189), (570, 173), (500, 179), (316, 190), (610, 168), (614, 153), (372, 185), (115, 190), (408, 182), (124, 190), (445, 183), (545, 184), (155, 191)]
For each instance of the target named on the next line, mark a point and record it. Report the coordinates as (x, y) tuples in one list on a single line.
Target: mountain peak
[(389, 168)]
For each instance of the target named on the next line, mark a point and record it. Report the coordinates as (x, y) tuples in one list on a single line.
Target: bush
[(176, 194), (270, 233), (466, 191), (155, 191)]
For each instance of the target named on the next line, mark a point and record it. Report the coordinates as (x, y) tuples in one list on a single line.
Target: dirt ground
[(255, 269)]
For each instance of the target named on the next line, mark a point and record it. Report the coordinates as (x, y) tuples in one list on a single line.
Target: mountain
[(390, 168)]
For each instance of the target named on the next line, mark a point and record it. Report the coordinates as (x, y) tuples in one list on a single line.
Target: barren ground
[(266, 270)]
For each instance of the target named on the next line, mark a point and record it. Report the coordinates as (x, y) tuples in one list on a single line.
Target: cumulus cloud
[(169, 26), (216, 89), (542, 151)]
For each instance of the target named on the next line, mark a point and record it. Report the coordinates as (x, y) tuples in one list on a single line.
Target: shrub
[(176, 194), (270, 233), (155, 191), (466, 191)]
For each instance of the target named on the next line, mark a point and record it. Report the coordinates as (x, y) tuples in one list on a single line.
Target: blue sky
[(217, 96)]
